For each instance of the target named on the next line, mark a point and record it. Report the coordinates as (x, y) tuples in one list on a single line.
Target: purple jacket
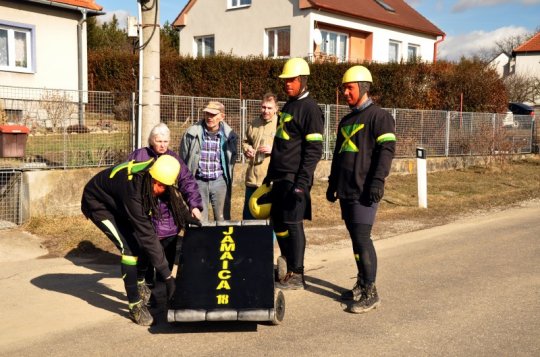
[(165, 227)]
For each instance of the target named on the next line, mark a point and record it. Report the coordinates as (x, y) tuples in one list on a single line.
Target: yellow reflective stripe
[(129, 260), (118, 168), (139, 166), (132, 167), (282, 234), (112, 229), (314, 137), (386, 137), (357, 257), (129, 167)]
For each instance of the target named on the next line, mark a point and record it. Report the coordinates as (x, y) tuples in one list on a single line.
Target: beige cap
[(214, 108)]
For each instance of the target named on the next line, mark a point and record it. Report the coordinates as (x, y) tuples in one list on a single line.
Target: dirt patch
[(451, 195)]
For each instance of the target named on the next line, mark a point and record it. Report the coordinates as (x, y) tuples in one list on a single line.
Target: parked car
[(520, 109), (516, 109)]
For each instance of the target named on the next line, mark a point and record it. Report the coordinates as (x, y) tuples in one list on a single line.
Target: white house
[(39, 45), (527, 57), (337, 30), (42, 45), (501, 64)]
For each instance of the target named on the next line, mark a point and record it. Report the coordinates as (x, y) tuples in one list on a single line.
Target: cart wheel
[(279, 307)]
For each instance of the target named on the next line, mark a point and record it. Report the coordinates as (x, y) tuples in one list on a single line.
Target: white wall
[(499, 64), (239, 31), (55, 47), (528, 64), (242, 31), (382, 36)]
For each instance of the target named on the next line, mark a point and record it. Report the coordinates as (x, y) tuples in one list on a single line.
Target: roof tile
[(88, 4), (404, 16), (532, 45)]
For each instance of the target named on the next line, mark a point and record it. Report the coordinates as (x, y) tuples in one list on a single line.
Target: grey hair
[(364, 87), (160, 129)]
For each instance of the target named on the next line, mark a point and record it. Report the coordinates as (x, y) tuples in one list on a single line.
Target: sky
[(470, 25)]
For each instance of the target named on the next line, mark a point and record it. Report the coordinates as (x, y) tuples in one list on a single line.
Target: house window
[(279, 42), (14, 115), (385, 5), (412, 52), (16, 48), (393, 51), (205, 46), (334, 44), (231, 4)]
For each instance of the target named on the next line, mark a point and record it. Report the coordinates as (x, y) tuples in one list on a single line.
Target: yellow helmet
[(260, 211), (295, 67), (357, 74), (165, 170)]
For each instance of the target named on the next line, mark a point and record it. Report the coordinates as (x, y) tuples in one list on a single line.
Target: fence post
[(327, 131), (421, 173), (133, 122), (243, 126), (447, 139)]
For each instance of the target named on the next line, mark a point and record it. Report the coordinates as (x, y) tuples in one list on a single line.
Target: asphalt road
[(471, 288)]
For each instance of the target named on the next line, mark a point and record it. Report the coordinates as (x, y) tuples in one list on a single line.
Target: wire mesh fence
[(10, 198), (69, 129)]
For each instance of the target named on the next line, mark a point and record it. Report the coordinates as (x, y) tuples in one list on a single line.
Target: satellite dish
[(317, 37)]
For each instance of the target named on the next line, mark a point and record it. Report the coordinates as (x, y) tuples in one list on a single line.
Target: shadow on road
[(88, 287), (323, 287)]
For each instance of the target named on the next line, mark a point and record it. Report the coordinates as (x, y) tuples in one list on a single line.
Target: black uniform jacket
[(365, 147), (298, 142), (116, 192)]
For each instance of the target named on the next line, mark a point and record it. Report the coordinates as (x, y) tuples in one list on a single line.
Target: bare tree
[(522, 88)]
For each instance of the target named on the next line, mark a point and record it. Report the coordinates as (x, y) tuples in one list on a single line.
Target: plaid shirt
[(210, 162)]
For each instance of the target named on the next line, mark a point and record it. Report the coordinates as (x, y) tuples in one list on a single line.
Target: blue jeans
[(215, 192)]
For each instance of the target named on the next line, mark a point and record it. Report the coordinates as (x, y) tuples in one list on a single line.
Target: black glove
[(171, 287), (267, 181), (298, 193), (194, 221), (376, 191), (331, 194)]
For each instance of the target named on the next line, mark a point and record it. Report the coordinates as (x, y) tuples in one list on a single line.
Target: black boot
[(291, 281), (368, 301), (355, 293)]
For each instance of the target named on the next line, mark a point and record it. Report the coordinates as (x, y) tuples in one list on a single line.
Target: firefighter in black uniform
[(296, 151), (362, 159), (119, 201)]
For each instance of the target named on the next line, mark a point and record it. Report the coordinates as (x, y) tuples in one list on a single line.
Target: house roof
[(404, 16), (532, 45), (86, 4)]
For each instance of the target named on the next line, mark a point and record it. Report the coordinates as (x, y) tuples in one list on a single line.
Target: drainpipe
[(80, 25), (435, 48)]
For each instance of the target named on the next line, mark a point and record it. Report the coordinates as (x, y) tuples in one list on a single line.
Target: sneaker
[(140, 314), (291, 281), (354, 294), (368, 301), (281, 270), (144, 292)]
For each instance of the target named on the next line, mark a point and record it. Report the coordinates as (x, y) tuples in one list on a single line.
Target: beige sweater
[(259, 132)]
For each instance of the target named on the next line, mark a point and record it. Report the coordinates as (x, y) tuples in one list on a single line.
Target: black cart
[(226, 273)]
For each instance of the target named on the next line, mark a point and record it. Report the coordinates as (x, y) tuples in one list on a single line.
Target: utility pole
[(151, 84)]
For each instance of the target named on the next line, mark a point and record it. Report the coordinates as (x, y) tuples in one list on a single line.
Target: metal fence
[(10, 199), (69, 129)]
